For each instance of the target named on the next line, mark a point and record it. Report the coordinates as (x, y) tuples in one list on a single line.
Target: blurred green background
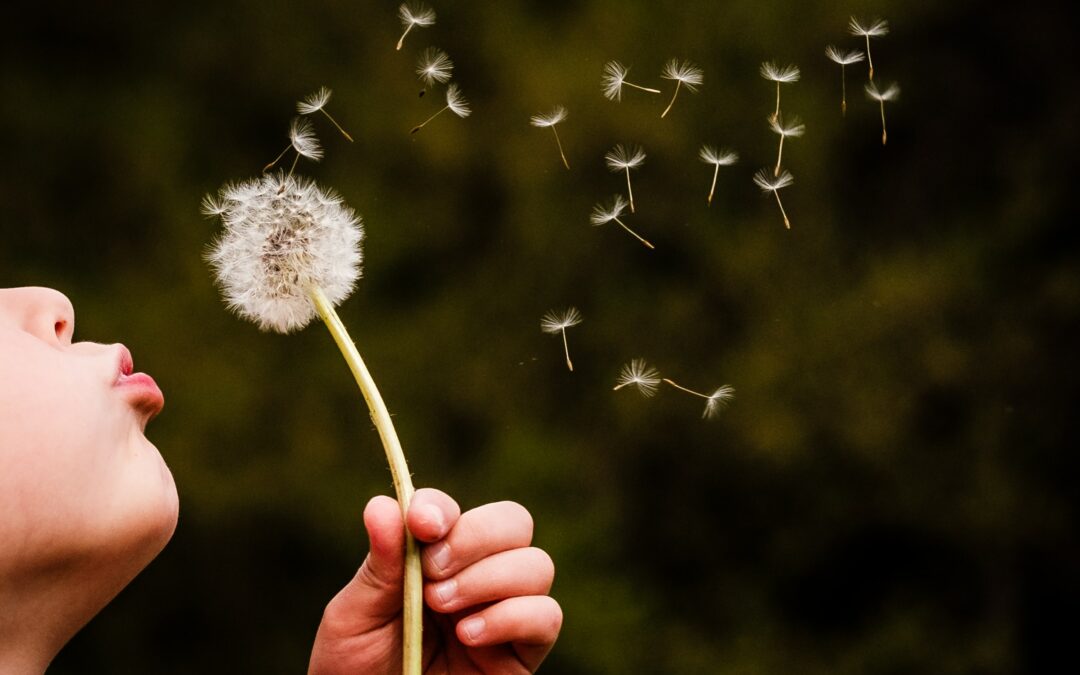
[(892, 489)]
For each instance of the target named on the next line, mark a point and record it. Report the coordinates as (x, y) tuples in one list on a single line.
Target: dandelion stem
[(776, 115), (293, 167), (884, 136), (776, 171), (566, 348), (334, 121), (688, 391), (420, 126), (664, 114), (843, 91), (787, 223), (276, 159), (638, 86), (413, 599), (561, 153), (869, 59), (402, 39), (638, 236), (629, 190), (715, 173)]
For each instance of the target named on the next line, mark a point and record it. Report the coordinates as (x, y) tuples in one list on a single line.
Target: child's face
[(78, 479)]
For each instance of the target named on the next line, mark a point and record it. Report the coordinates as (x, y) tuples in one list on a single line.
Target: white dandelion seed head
[(874, 28), (303, 139), (281, 235), (786, 74), (722, 157), (621, 158), (455, 100), (844, 58), (315, 102), (765, 180), (686, 72), (793, 128), (891, 93), (434, 66), (551, 119), (717, 401), (641, 375), (614, 77), (602, 215), (416, 14), (556, 322)]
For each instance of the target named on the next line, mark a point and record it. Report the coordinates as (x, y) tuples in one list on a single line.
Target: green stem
[(412, 612)]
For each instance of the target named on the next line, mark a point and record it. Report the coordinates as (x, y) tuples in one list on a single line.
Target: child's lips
[(140, 390)]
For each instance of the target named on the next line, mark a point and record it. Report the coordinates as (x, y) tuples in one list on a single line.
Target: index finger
[(432, 514)]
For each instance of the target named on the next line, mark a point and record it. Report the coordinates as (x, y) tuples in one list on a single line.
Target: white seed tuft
[(281, 236)]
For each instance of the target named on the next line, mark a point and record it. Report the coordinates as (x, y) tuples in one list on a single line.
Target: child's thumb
[(374, 595)]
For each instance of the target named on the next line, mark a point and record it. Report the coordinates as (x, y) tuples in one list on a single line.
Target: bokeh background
[(892, 489)]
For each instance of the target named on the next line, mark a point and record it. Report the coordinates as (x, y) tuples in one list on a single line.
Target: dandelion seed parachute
[(281, 235), (641, 375)]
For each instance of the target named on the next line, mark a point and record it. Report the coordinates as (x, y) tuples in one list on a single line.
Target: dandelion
[(714, 402), (685, 73), (549, 121), (434, 66), (641, 375), (774, 184), (780, 75), (414, 15), (317, 103), (290, 251), (302, 139), (710, 155), (876, 28), (455, 103), (615, 78), (794, 129), (844, 59), (602, 216), (622, 158), (891, 93), (557, 322)]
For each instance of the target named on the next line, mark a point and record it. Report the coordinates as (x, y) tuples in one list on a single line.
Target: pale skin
[(86, 502)]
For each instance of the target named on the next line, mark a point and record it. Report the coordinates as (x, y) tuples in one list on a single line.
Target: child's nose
[(43, 312)]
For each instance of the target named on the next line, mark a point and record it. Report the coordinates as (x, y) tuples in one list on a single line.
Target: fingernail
[(439, 555), (433, 516), (445, 590), (473, 628)]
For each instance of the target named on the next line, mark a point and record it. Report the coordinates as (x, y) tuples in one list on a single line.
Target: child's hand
[(485, 593)]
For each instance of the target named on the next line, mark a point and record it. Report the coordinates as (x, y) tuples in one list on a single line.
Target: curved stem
[(776, 115), (636, 235), (843, 91), (787, 223), (715, 173), (335, 123), (869, 59), (638, 86), (420, 126), (412, 602), (884, 136), (688, 391), (664, 114), (401, 40), (779, 154), (566, 348), (629, 190)]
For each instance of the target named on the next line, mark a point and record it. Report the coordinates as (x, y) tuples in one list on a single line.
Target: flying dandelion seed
[(714, 402), (794, 129), (891, 93), (557, 322), (710, 155), (876, 28), (317, 103), (774, 184), (418, 15), (843, 59), (641, 375), (615, 79), (780, 75), (455, 103), (549, 121), (685, 74), (289, 252), (602, 216), (303, 140), (622, 158), (434, 66)]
